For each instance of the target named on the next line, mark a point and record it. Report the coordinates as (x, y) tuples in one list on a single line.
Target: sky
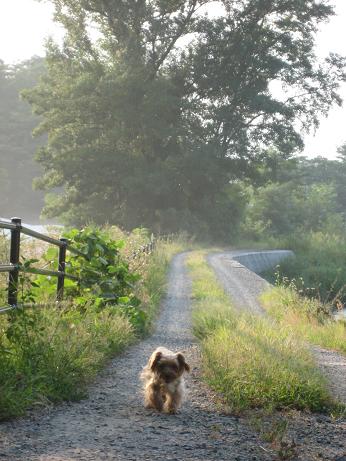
[(24, 25)]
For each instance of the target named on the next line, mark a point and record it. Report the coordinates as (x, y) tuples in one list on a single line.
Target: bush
[(282, 209), (105, 278)]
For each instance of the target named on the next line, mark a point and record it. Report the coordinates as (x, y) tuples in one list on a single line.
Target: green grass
[(319, 265), (254, 362), (51, 354), (308, 317)]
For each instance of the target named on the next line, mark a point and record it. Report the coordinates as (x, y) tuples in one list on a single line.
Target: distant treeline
[(17, 146), (295, 196)]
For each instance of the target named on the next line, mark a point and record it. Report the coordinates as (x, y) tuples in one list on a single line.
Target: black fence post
[(14, 259), (61, 268)]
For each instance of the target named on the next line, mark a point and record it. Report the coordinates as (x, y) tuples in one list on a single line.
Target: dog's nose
[(169, 376)]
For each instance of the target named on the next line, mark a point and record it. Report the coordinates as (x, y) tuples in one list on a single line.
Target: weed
[(311, 320), (51, 354)]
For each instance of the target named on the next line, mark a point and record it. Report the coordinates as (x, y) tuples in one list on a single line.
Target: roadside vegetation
[(51, 352), (318, 269), (302, 210), (254, 362), (309, 318)]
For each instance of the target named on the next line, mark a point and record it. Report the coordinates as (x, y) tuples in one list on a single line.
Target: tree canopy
[(155, 109)]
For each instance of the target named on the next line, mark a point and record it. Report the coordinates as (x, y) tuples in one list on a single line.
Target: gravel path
[(320, 438), (112, 423), (242, 285), (333, 366)]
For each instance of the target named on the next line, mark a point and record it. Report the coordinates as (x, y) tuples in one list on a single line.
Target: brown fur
[(163, 380)]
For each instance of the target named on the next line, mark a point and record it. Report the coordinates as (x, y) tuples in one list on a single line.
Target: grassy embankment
[(308, 286), (309, 318), (254, 362), (319, 268), (50, 354), (320, 263)]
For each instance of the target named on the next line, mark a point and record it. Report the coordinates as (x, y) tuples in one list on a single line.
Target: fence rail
[(15, 267)]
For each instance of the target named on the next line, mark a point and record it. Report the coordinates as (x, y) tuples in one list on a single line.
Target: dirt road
[(112, 423)]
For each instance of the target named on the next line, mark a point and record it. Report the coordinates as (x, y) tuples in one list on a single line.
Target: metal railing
[(15, 267), (147, 248)]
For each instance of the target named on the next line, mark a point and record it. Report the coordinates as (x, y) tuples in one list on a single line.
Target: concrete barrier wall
[(260, 261)]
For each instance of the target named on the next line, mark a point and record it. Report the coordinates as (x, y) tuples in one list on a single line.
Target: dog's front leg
[(173, 402), (153, 397)]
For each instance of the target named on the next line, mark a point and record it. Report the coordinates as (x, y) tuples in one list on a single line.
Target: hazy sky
[(24, 24)]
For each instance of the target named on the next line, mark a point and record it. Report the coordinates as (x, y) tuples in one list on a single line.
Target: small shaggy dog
[(163, 380)]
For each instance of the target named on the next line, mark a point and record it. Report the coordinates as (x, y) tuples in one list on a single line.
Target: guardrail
[(147, 248), (15, 267)]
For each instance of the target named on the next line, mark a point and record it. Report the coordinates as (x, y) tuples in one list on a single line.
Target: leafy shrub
[(104, 275)]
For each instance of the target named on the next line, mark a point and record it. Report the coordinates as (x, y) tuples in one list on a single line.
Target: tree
[(151, 123), (322, 171), (17, 147), (287, 208)]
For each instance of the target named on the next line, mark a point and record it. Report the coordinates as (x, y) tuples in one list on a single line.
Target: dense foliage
[(303, 209), (155, 121), (297, 197), (104, 276)]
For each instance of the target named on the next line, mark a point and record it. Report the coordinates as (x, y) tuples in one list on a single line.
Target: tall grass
[(51, 354), (4, 258), (320, 262), (308, 317), (252, 361)]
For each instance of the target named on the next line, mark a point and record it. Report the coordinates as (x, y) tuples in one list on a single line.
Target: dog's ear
[(154, 359), (182, 362)]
